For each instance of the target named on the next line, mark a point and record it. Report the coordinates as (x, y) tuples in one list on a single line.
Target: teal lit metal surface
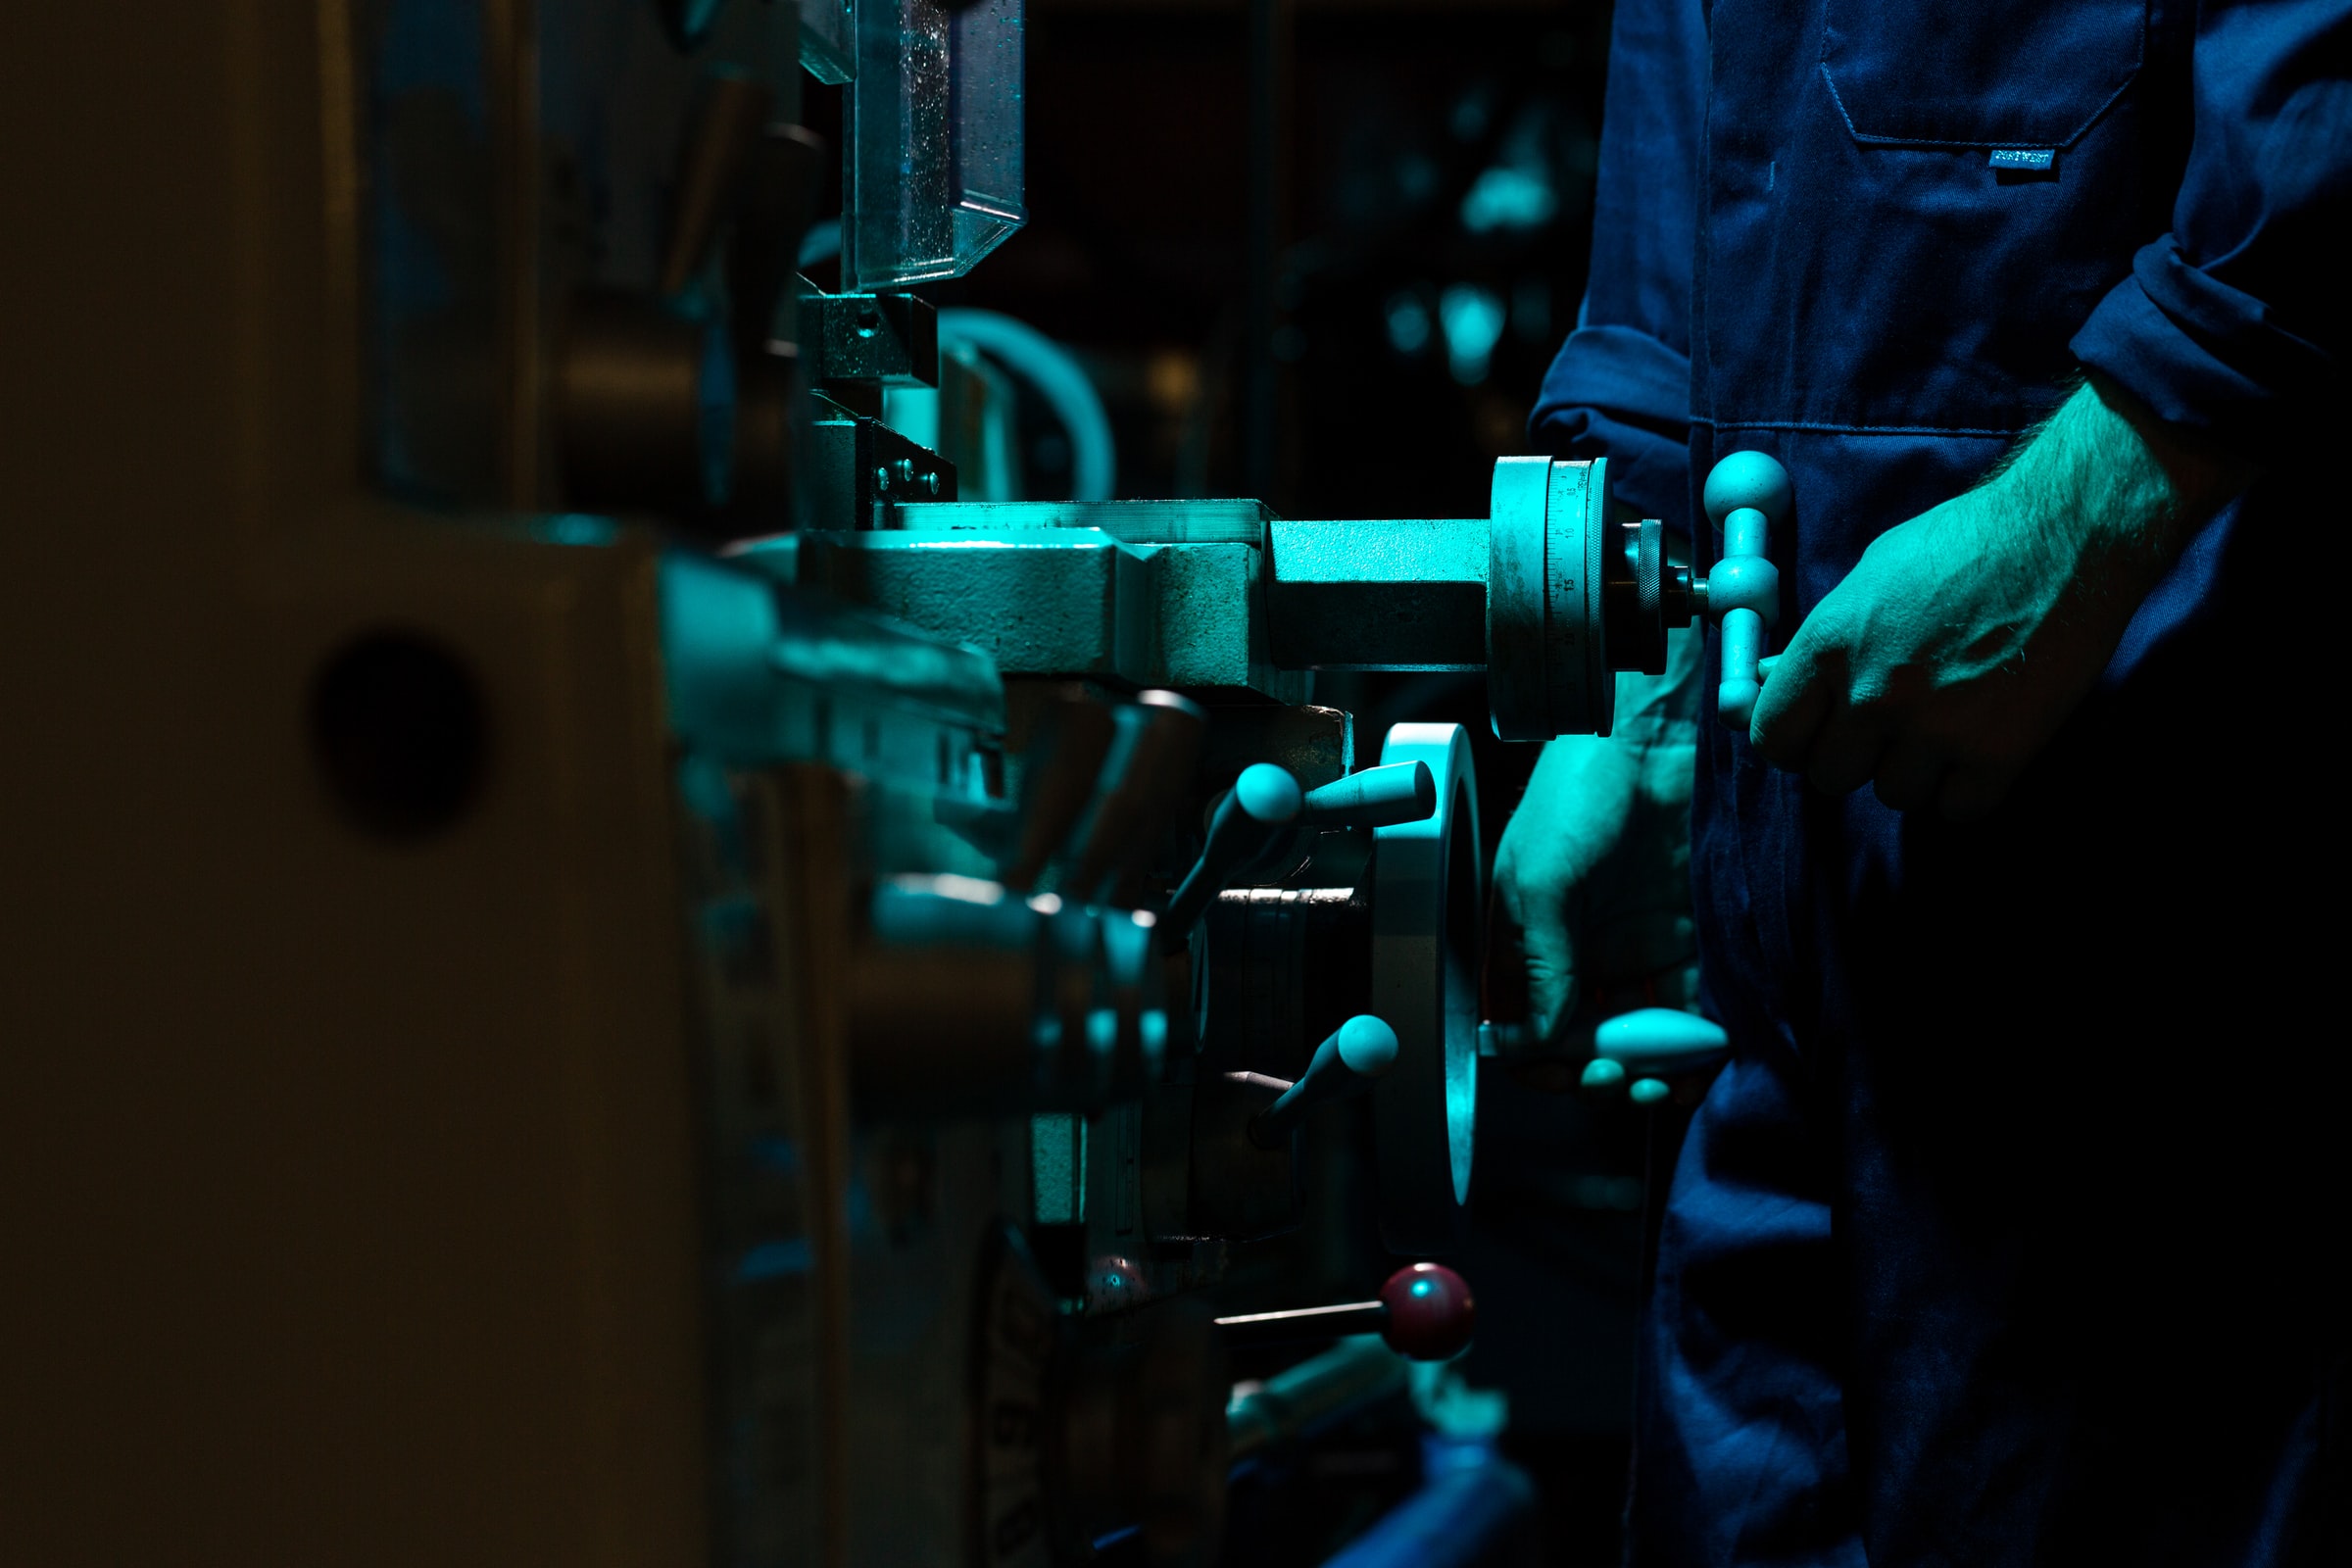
[(758, 674), (1399, 594), (935, 168), (1135, 523), (1061, 602), (1138, 593)]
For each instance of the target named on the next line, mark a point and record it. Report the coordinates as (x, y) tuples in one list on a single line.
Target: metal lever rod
[(1424, 1314), (1355, 1055), (1262, 802), (1255, 1330), (1377, 797)]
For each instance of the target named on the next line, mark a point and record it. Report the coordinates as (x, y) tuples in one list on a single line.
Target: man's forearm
[(2104, 483), (1965, 636)]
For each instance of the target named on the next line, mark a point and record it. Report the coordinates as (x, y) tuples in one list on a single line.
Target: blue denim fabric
[(2017, 1230)]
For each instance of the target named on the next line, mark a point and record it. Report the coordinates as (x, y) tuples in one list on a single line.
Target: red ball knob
[(1430, 1312)]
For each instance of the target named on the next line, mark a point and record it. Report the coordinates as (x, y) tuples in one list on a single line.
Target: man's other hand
[(1592, 880), (1962, 640)]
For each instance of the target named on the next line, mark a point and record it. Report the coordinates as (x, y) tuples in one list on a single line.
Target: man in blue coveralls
[(2015, 1229)]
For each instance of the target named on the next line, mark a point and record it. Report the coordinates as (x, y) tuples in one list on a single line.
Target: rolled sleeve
[(1620, 387), (2234, 323), (1616, 392)]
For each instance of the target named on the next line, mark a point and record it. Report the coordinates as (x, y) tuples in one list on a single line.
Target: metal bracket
[(890, 338)]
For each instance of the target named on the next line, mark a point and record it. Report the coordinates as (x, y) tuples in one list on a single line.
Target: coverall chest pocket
[(1951, 74)]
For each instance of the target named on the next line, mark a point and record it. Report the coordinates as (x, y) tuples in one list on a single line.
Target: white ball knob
[(1748, 480)]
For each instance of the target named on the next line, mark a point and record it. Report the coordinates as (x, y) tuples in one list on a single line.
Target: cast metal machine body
[(726, 1003)]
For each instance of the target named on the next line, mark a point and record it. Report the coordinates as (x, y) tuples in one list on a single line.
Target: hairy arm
[(1964, 637), (2104, 481)]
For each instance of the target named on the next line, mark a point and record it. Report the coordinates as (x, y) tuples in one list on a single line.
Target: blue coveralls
[(2016, 1229)]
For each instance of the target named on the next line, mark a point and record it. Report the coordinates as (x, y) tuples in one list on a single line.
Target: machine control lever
[(1349, 1060), (1263, 801), (1424, 1312), (1265, 806)]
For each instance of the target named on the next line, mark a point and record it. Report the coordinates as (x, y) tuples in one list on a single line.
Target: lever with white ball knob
[(1348, 1062), (1266, 806)]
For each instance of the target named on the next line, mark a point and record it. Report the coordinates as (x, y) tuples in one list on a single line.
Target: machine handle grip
[(1355, 1055), (1650, 1044), (1377, 797), (1262, 802)]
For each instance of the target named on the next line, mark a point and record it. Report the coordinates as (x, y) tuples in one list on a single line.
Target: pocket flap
[(1936, 73)]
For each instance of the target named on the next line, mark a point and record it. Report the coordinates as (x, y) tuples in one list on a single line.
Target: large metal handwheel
[(1428, 905)]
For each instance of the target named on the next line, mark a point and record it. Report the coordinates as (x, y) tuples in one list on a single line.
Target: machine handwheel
[(1428, 904)]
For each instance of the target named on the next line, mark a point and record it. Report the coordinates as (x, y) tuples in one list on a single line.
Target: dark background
[(1340, 398), (1249, 219)]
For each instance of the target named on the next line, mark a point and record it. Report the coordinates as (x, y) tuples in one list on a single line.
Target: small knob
[(1262, 802), (1431, 1314), (1346, 1064), (1746, 494)]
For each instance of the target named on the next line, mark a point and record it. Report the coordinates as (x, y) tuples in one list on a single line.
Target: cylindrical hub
[(1547, 669), (1545, 594)]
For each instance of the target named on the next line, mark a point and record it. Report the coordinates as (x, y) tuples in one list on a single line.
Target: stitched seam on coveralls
[(2001, 434)]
